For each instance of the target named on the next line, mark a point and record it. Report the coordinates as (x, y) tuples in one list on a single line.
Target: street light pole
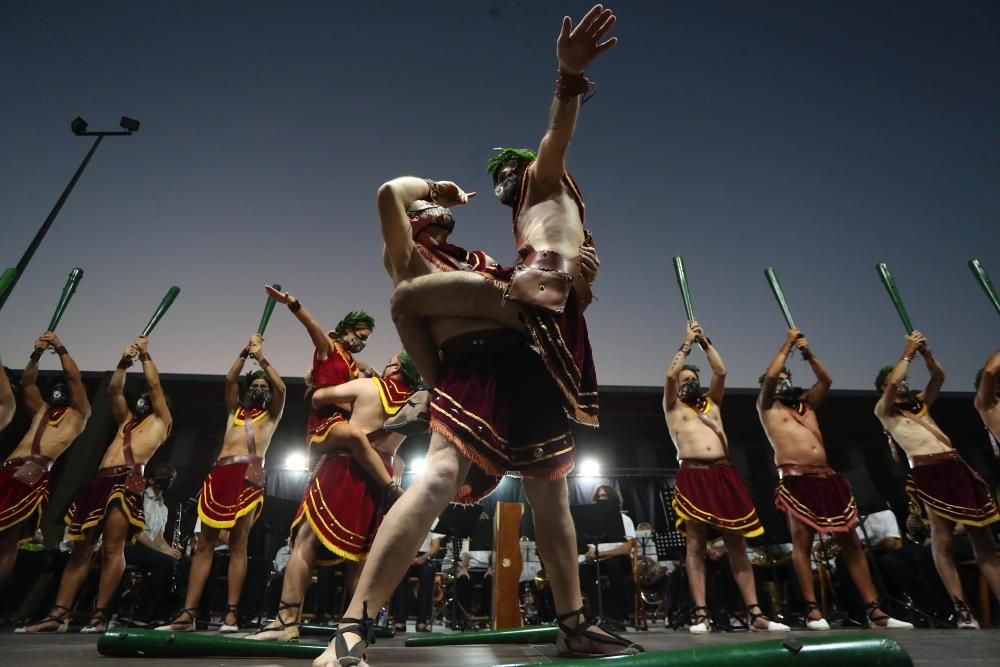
[(79, 127)]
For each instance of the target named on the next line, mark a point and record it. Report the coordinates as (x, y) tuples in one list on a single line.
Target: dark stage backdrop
[(632, 445)]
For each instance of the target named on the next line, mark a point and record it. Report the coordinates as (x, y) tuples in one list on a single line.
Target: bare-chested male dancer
[(233, 493), (709, 493), (496, 406), (56, 422), (812, 494), (342, 506), (334, 364), (940, 483), (110, 506), (988, 399)]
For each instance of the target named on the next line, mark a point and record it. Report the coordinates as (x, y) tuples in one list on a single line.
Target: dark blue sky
[(817, 137)]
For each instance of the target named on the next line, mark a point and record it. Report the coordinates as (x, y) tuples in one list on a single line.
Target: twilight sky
[(817, 137)]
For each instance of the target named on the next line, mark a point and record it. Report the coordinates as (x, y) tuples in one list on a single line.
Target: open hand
[(577, 47), (448, 194), (280, 297)]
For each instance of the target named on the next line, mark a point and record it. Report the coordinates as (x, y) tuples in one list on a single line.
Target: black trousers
[(463, 592), (618, 596), (159, 569), (402, 599)]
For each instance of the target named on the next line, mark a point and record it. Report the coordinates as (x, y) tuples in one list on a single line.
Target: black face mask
[(689, 391), (142, 407), (784, 389), (59, 396), (438, 216), (508, 189), (163, 483), (258, 397)]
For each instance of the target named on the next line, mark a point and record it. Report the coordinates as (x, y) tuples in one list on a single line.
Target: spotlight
[(295, 461), (418, 466), (590, 468), (79, 126), (129, 124)]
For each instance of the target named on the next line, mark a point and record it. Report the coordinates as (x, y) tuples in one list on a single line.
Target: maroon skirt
[(21, 506), (953, 490), (226, 496), (93, 503), (497, 404), (343, 506), (825, 503), (714, 493)]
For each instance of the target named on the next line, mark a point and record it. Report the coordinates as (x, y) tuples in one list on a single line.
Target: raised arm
[(277, 405), (319, 338), (393, 199), (233, 379), (765, 399), (74, 381), (817, 393), (986, 393), (933, 387), (717, 388), (576, 49), (898, 374), (29, 379), (7, 403), (156, 395), (116, 387), (342, 395), (671, 385)]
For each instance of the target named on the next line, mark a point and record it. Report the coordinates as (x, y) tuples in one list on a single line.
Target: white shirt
[(221, 546), (879, 526), (156, 514), (425, 546), (281, 558), (478, 560)]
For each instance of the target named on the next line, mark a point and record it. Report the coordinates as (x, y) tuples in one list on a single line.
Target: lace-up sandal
[(700, 622), (101, 614), (818, 624), (226, 628), (772, 626), (965, 620), (182, 626), (284, 631), (582, 630), (876, 620), (356, 656), (61, 621)]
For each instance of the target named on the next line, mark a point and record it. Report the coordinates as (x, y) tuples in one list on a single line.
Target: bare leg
[(452, 294), (201, 567), (401, 532), (736, 546), (986, 556), (802, 541), (298, 576), (944, 562), (113, 540), (237, 566), (354, 440), (857, 565), (72, 578), (695, 560)]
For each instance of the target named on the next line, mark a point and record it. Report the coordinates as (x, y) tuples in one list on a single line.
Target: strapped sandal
[(581, 630), (100, 613), (62, 619), (772, 626), (225, 628), (289, 629), (700, 621), (875, 620), (814, 624), (190, 626), (965, 620), (363, 628)]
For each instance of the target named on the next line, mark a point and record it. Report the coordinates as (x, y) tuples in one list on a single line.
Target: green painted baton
[(7, 278), (890, 287), (772, 280), (268, 309), (977, 270), (682, 282), (68, 291), (164, 306), (537, 634)]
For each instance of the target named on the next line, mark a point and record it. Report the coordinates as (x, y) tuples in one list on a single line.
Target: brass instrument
[(176, 544), (541, 580)]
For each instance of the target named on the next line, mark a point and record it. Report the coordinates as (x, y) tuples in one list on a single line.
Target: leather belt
[(705, 463), (118, 470), (805, 470), (930, 459), (43, 461), (233, 460)]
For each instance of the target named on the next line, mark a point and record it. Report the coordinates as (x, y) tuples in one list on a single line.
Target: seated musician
[(423, 569), (616, 565), (475, 567)]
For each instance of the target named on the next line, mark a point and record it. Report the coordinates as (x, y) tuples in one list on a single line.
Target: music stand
[(456, 522), (596, 523)]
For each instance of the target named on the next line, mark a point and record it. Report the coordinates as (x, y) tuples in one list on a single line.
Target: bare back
[(59, 433), (441, 328), (794, 436), (915, 439), (551, 221), (693, 438), (146, 439), (368, 414), (235, 441)]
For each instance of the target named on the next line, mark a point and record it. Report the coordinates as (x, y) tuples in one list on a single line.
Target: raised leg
[(354, 440)]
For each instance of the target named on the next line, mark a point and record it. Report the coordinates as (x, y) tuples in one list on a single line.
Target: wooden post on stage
[(507, 565)]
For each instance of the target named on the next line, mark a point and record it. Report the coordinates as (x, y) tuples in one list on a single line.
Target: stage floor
[(926, 647)]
